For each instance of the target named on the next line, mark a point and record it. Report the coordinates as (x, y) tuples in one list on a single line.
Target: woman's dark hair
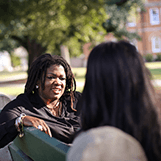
[(38, 71), (118, 92)]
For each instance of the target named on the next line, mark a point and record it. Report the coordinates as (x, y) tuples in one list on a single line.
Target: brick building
[(148, 26)]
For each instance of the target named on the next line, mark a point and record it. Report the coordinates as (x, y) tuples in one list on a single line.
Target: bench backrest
[(4, 153), (3, 100)]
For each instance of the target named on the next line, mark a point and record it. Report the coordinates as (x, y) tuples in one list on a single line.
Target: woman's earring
[(37, 86)]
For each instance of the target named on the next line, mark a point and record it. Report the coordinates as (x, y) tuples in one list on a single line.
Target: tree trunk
[(34, 50), (65, 53)]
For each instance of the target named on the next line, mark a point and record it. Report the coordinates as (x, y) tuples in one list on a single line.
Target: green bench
[(35, 145)]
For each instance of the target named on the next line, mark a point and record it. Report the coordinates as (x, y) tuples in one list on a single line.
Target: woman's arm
[(8, 131)]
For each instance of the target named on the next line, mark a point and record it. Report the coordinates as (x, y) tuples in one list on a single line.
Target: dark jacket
[(61, 127)]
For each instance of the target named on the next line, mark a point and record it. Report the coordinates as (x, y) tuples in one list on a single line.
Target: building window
[(131, 21), (156, 44), (154, 16)]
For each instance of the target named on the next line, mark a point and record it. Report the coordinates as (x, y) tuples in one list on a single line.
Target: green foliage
[(51, 23), (6, 43), (119, 12), (15, 60), (148, 57), (158, 57)]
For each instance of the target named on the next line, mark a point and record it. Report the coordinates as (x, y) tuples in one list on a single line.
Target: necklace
[(57, 104), (56, 110)]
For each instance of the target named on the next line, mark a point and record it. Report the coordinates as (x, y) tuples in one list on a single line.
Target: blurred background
[(29, 28)]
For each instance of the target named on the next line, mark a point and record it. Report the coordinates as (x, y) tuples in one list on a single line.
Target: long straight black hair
[(118, 92)]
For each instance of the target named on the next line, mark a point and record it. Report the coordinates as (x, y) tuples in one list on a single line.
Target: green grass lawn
[(156, 73), (12, 91), (5, 74), (79, 74), (154, 67)]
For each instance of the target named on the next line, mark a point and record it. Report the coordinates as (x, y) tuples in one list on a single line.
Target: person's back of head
[(118, 92)]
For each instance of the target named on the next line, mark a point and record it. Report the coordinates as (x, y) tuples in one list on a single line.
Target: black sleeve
[(8, 131)]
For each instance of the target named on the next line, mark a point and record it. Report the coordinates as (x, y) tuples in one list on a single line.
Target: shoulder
[(120, 145), (19, 101), (14, 104)]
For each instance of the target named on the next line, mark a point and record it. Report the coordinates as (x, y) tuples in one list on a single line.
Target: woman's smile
[(56, 90), (55, 83)]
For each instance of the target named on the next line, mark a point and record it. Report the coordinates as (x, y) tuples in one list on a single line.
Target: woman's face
[(55, 83)]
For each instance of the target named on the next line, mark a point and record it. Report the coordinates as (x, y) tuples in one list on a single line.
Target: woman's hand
[(35, 122)]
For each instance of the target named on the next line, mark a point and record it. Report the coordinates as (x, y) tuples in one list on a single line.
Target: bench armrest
[(38, 146)]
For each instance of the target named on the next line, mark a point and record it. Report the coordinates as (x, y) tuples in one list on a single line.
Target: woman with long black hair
[(119, 108)]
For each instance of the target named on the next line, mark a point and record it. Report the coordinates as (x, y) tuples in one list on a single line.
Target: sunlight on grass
[(156, 73), (153, 65), (6, 75), (11, 90), (79, 74), (79, 71)]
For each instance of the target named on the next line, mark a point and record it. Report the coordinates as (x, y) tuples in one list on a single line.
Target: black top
[(61, 127)]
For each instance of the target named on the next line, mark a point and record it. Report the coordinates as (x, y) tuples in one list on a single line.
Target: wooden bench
[(35, 145)]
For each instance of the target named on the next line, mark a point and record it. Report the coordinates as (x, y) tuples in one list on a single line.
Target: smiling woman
[(54, 88), (48, 103)]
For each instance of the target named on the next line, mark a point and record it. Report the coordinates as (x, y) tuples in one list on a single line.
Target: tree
[(43, 25), (119, 12)]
